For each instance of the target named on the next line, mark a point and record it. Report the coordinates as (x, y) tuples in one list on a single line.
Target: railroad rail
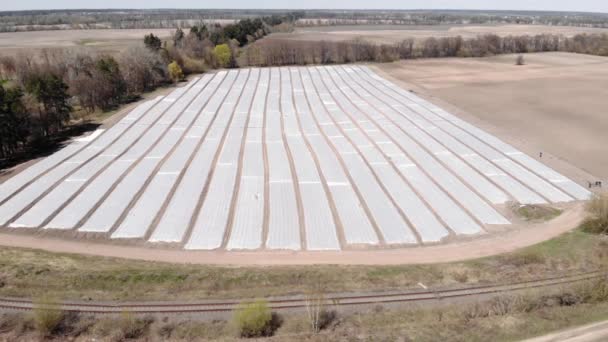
[(299, 302)]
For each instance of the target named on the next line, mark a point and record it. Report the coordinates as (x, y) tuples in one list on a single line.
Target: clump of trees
[(51, 98), (14, 122), (290, 52), (207, 47), (41, 93), (152, 42)]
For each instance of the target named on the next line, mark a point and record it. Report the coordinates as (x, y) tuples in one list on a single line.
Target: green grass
[(33, 273)]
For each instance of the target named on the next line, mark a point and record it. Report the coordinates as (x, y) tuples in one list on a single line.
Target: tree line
[(39, 95), (170, 18), (291, 52), (38, 20)]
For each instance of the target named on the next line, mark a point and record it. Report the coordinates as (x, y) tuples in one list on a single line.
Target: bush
[(175, 72), (126, 326), (520, 60), (253, 319), (597, 209), (131, 327), (223, 55), (47, 316)]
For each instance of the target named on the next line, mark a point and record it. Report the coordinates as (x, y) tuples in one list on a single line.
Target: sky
[(543, 5)]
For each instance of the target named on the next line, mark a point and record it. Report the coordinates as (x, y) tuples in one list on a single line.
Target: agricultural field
[(555, 103), (389, 34), (102, 41), (292, 158)]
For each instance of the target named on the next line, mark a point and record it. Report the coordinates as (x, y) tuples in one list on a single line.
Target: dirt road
[(587, 333), (492, 244)]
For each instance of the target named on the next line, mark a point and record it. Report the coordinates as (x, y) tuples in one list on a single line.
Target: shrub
[(597, 222), (47, 316), (520, 60), (131, 327), (175, 72), (253, 319), (593, 291), (125, 326), (223, 55)]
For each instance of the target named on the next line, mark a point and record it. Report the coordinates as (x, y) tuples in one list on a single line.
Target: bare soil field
[(395, 33), (106, 41), (556, 103)]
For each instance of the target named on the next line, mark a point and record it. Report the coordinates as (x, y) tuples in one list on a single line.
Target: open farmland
[(389, 34), (556, 103), (102, 41), (306, 158)]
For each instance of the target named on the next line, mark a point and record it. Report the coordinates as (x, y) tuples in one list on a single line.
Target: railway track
[(299, 302)]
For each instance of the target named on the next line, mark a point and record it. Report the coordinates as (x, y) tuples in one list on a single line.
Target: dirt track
[(480, 247), (555, 103), (587, 333)]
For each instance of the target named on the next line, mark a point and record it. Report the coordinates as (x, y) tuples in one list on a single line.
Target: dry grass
[(500, 318), (123, 327), (30, 273), (597, 223), (47, 315)]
